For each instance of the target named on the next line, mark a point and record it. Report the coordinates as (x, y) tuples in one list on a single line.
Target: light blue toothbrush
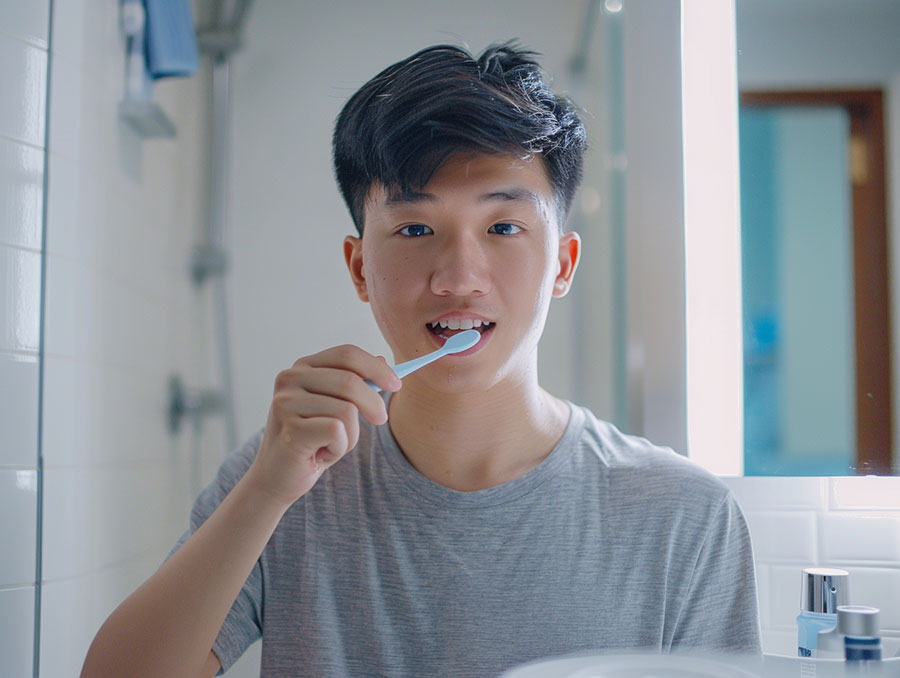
[(455, 344)]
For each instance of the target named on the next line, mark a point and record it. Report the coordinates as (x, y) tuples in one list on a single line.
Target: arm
[(168, 625)]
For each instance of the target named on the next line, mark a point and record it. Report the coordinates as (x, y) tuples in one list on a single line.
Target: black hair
[(403, 124)]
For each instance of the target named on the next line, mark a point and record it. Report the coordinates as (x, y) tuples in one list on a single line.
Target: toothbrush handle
[(410, 366)]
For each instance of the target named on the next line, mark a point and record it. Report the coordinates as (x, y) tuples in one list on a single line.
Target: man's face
[(479, 246)]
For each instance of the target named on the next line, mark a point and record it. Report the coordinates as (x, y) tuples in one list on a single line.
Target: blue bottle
[(822, 591), (862, 643)]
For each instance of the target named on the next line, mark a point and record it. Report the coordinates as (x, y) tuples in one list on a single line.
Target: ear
[(569, 254), (353, 257)]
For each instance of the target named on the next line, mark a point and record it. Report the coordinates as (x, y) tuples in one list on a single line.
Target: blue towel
[(170, 40)]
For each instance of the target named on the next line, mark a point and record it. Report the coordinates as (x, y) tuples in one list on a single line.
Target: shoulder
[(633, 463)]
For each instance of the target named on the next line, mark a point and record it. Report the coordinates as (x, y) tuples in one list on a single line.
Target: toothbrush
[(455, 344)]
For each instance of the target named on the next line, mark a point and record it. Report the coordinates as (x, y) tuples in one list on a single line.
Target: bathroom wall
[(121, 316), (23, 71), (849, 523)]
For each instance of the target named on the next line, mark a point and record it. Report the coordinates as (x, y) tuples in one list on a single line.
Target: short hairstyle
[(403, 124)]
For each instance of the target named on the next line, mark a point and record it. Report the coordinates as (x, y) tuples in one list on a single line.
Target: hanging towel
[(170, 40)]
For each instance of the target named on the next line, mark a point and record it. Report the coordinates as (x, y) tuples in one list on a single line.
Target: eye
[(504, 229), (415, 230)]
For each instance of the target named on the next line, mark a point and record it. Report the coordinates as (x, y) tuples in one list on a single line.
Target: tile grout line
[(39, 537)]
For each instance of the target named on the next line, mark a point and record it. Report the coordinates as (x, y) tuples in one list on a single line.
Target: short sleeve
[(243, 625), (720, 609)]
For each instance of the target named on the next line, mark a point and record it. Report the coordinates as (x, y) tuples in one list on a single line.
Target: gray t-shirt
[(610, 542)]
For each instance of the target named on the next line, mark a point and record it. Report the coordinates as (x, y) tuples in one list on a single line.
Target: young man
[(467, 521)]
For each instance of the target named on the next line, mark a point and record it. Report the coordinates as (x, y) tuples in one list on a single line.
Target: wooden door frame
[(870, 266)]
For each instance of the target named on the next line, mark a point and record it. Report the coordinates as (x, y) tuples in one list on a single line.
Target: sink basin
[(634, 666)]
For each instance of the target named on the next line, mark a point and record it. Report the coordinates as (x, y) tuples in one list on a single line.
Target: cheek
[(391, 283)]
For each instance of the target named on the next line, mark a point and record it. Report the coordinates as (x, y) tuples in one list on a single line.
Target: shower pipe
[(219, 41)]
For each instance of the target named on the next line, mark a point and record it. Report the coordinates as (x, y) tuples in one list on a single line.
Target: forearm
[(168, 625)]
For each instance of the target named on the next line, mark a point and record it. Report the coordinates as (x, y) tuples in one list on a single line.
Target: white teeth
[(464, 324)]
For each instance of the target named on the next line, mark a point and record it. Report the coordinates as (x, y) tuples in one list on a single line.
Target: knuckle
[(347, 380), (347, 352), (335, 429), (280, 380), (348, 411), (280, 401)]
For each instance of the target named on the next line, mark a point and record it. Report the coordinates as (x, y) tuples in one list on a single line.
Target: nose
[(461, 269)]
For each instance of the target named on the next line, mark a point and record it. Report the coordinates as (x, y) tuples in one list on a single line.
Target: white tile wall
[(851, 523), (18, 528), (26, 21), (23, 65), (90, 599), (23, 72), (16, 631), (21, 194), (121, 316), (20, 299), (18, 409)]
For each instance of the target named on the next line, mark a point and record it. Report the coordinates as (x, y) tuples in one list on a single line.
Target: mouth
[(441, 330)]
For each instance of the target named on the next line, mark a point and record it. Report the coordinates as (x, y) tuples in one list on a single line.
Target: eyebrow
[(512, 194), (398, 198)]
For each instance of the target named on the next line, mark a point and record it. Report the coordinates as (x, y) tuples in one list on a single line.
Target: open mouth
[(447, 328)]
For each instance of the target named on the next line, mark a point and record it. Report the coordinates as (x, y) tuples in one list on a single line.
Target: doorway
[(816, 313)]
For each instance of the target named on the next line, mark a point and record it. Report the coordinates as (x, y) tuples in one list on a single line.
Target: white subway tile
[(27, 20), (23, 72), (95, 517), (89, 410), (70, 309), (131, 400), (860, 538), (132, 329), (890, 646), (764, 594), (18, 409), (881, 493), (785, 596), (70, 415), (89, 599), (18, 528), (67, 103), (877, 587), (17, 632), (20, 297), (755, 493), (783, 643), (69, 23), (21, 194), (70, 224), (783, 536)]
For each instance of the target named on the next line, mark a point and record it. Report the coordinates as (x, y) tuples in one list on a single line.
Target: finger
[(323, 433), (368, 366), (301, 403), (345, 385)]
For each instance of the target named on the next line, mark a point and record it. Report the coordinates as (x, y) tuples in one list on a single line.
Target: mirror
[(817, 82)]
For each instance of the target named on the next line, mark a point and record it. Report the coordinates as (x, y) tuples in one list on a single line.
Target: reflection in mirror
[(815, 225)]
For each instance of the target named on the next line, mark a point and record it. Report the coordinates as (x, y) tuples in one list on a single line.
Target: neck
[(471, 441)]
